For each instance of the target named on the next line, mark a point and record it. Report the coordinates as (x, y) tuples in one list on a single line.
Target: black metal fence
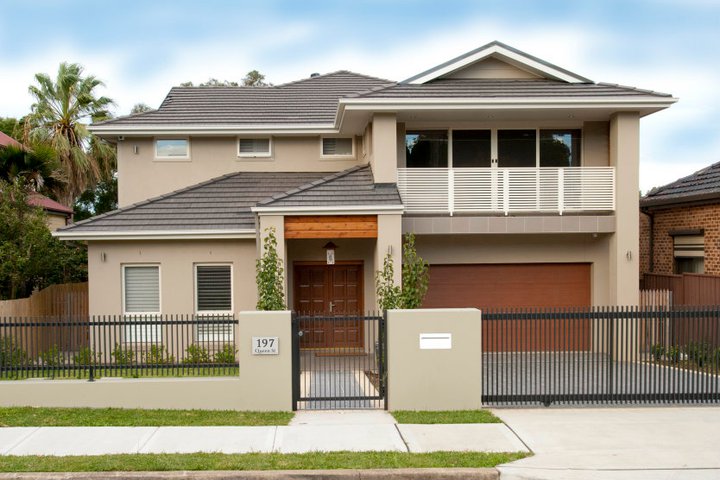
[(117, 346), (339, 361), (601, 355)]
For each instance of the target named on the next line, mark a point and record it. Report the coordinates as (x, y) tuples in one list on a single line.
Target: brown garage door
[(507, 286)]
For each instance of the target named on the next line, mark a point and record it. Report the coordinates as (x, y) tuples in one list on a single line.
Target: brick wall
[(706, 217)]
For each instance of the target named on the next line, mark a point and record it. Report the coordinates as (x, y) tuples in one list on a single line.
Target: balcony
[(507, 190)]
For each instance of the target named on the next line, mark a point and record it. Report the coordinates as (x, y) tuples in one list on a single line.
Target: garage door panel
[(509, 286)]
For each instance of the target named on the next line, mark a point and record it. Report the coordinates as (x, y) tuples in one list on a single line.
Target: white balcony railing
[(507, 190)]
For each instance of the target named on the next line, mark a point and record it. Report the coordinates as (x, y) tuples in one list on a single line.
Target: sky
[(140, 49)]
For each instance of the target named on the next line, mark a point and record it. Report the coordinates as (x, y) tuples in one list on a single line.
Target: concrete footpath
[(656, 443), (309, 431)]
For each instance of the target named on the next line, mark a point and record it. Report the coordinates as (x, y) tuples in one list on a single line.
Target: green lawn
[(116, 417), (255, 461), (454, 416)]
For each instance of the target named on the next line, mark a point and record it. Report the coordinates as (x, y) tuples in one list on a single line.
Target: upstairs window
[(516, 148), (172, 148), (560, 148), (254, 147), (471, 148), (337, 147), (426, 149)]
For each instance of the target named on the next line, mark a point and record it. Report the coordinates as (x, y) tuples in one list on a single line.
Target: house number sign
[(265, 346)]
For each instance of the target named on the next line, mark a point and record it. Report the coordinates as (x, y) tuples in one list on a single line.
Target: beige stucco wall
[(140, 176), (491, 68), (573, 248), (385, 147), (595, 144), (624, 245), (264, 382), (176, 260), (434, 379)]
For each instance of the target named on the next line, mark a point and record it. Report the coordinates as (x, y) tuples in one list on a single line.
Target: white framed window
[(255, 147), (141, 302), (172, 149), (214, 300), (337, 147)]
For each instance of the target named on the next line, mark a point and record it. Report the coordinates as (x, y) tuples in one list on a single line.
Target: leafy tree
[(140, 108), (269, 275), (212, 82), (11, 127), (415, 279), (101, 199), (254, 79), (56, 118), (30, 257), (37, 166)]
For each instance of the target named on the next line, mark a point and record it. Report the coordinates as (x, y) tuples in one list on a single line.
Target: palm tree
[(37, 166), (58, 112)]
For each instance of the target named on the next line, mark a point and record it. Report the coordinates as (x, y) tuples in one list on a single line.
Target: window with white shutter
[(213, 300), (141, 302), (254, 147), (337, 147)]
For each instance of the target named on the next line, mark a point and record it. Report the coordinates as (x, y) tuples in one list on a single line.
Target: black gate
[(601, 355), (339, 362)]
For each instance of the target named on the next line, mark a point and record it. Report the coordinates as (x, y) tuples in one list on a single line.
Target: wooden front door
[(329, 290)]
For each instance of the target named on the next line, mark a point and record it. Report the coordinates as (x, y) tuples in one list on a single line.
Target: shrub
[(672, 354), (123, 356), (195, 354), (269, 275), (85, 356), (388, 293), (226, 355), (51, 357), (697, 352), (415, 275), (11, 355), (657, 351), (158, 355)]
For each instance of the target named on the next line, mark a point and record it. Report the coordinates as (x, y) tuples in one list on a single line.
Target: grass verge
[(454, 416), (120, 417), (255, 461)]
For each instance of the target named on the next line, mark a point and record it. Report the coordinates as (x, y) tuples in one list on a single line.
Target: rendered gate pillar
[(434, 359), (264, 342), (624, 254)]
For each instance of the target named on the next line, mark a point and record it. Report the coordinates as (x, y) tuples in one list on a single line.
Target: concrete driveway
[(616, 443)]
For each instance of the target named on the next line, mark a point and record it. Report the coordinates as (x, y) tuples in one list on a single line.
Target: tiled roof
[(225, 203), (37, 200), (310, 101), (6, 141), (353, 187), (701, 185), (487, 88)]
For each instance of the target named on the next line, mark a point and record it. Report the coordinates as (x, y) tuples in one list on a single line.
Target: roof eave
[(184, 129), (331, 210), (687, 200), (65, 234)]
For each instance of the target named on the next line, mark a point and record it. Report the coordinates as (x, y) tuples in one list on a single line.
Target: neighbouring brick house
[(679, 227)]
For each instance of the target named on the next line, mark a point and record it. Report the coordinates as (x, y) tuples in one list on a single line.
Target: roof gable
[(494, 54)]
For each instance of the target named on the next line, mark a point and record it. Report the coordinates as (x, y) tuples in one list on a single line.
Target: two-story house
[(518, 178)]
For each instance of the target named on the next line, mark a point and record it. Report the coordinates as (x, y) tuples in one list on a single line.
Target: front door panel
[(329, 290)]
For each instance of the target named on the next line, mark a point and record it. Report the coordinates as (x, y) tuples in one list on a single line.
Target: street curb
[(376, 474)]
